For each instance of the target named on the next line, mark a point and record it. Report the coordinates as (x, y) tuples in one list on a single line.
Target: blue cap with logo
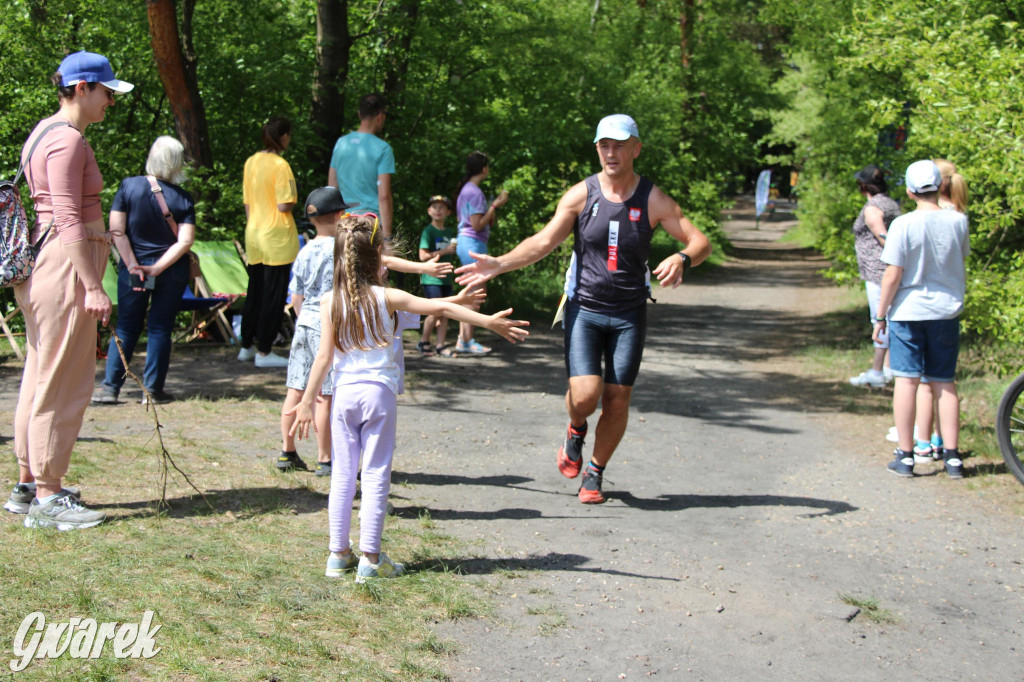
[(89, 67)]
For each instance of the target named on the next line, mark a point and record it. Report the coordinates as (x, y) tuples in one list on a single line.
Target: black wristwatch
[(881, 319), (686, 261)]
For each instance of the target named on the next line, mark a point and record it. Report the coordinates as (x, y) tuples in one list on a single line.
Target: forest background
[(720, 90)]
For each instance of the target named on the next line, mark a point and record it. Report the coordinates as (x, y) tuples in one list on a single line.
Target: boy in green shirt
[(437, 240)]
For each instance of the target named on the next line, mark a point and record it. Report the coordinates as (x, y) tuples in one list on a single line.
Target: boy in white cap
[(612, 215), (922, 297)]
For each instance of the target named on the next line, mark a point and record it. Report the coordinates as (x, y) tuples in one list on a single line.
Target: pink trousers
[(60, 362)]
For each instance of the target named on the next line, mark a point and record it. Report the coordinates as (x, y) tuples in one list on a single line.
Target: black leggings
[(264, 304)]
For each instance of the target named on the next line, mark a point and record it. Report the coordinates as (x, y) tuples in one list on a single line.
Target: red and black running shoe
[(590, 489), (570, 455)]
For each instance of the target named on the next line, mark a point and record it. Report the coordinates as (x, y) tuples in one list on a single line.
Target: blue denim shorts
[(927, 349), (467, 244), (618, 338)]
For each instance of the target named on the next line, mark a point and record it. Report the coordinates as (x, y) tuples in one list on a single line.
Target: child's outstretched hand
[(303, 418), (471, 297), (512, 330), (436, 268)]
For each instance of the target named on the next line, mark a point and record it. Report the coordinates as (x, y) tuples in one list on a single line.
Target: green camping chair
[(223, 277)]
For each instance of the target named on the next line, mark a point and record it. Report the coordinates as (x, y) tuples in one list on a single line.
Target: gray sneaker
[(64, 512), (104, 395), (384, 568), (22, 496)]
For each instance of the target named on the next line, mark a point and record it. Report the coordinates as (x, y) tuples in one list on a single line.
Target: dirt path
[(742, 505)]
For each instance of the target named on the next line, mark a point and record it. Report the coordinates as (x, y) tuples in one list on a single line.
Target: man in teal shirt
[(362, 164)]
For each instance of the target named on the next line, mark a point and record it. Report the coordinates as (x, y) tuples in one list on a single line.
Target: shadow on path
[(552, 561), (680, 502)]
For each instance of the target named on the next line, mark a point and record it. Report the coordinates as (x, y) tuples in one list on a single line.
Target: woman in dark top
[(154, 266), (869, 232)]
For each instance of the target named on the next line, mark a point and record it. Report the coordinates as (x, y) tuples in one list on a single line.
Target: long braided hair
[(355, 312)]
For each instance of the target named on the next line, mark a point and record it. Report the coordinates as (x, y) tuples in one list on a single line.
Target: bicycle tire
[(1010, 427)]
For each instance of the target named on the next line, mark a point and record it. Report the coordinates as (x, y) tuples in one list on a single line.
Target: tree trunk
[(333, 44), (398, 59), (177, 68), (686, 19)]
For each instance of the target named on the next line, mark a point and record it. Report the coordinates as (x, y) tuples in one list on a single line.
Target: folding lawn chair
[(224, 279)]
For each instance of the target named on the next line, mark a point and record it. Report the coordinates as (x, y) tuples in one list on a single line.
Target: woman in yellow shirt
[(271, 242)]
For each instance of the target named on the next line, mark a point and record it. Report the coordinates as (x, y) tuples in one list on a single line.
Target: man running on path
[(612, 216)]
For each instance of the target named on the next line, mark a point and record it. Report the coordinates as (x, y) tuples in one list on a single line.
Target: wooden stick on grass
[(165, 456)]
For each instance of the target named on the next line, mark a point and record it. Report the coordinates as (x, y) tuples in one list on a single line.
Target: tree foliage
[(522, 80), (949, 75)]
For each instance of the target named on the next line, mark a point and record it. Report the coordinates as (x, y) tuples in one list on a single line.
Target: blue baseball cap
[(617, 127), (89, 67)]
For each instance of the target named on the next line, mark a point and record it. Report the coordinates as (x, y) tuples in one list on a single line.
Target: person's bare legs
[(925, 411), (442, 330), (291, 399), (322, 420), (949, 414), (428, 329), (466, 329), (904, 399), (582, 400), (879, 359), (582, 397), (612, 424)]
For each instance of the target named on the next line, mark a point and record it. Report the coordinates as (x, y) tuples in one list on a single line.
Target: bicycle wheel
[(1010, 427)]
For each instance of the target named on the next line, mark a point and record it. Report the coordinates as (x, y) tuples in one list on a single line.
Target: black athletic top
[(608, 272)]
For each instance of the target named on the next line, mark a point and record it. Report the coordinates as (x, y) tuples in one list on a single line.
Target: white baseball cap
[(923, 177), (617, 127)]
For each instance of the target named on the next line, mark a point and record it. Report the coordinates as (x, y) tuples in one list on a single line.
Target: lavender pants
[(363, 420)]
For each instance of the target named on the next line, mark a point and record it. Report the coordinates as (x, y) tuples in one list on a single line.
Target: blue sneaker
[(384, 568), (902, 464), (338, 564), (471, 347), (925, 453)]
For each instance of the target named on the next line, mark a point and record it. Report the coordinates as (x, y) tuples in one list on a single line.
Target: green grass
[(800, 235), (238, 588), (870, 609)]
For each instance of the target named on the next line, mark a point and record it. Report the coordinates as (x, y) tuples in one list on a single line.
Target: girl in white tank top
[(357, 332)]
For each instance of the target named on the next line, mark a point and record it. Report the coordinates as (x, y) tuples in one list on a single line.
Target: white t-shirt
[(931, 247)]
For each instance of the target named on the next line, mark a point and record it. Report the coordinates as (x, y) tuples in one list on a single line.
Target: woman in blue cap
[(64, 296)]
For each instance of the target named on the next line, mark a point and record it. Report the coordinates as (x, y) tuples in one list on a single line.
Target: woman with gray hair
[(153, 222)]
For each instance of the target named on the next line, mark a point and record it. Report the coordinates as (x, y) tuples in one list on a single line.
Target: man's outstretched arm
[(531, 249)]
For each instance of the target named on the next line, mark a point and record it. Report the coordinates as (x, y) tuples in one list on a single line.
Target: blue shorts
[(437, 290), (467, 244), (925, 349), (616, 337)]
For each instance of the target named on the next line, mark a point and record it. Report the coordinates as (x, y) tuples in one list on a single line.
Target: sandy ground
[(746, 497)]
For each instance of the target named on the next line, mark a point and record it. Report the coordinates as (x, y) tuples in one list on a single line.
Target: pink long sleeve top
[(65, 181)]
